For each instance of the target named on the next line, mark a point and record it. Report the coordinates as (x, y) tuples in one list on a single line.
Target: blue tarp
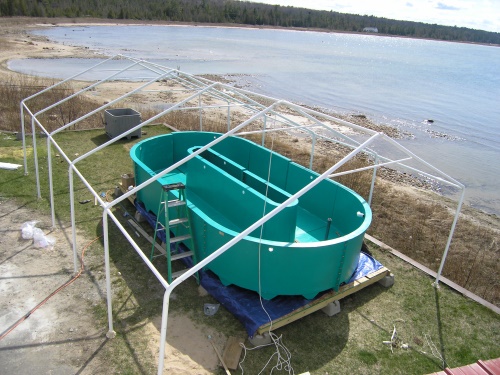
[(245, 304)]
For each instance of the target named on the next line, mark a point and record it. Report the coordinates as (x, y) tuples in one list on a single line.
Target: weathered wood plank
[(232, 352)]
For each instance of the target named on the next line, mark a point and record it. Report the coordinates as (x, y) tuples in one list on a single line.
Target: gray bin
[(119, 120)]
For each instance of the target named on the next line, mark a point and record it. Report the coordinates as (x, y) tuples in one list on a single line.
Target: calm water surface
[(396, 81)]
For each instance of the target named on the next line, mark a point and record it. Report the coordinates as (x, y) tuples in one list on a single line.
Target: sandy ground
[(62, 337), (15, 42)]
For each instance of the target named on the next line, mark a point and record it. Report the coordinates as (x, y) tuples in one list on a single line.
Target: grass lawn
[(437, 326)]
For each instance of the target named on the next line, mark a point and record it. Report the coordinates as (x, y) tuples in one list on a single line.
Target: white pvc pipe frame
[(164, 72)]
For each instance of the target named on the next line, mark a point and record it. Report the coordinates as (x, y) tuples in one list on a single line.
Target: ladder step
[(174, 186), (179, 273), (176, 203), (180, 238), (178, 221), (178, 256)]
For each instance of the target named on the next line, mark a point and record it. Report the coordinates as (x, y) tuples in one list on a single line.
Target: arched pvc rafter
[(240, 98)]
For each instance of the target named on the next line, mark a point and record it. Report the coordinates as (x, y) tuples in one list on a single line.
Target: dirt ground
[(62, 336)]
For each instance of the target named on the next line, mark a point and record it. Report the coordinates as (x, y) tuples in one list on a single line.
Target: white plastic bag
[(41, 240), (27, 229), (30, 231)]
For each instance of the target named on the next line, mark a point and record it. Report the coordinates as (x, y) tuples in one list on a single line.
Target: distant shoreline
[(83, 21), (16, 41)]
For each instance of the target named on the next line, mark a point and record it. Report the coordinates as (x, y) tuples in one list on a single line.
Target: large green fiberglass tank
[(311, 246)]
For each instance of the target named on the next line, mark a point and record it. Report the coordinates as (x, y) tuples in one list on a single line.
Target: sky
[(474, 14)]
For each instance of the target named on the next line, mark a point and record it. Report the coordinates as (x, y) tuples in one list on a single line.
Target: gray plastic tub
[(119, 120)]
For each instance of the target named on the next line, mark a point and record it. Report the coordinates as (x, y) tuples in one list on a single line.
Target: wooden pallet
[(325, 299)]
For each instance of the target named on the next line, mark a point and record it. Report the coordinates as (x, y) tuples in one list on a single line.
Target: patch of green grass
[(368, 358), (433, 323)]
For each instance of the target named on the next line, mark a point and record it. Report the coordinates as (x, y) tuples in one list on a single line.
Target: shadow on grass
[(100, 139), (103, 138), (440, 327)]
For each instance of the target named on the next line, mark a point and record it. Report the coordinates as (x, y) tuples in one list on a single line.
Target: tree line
[(239, 12)]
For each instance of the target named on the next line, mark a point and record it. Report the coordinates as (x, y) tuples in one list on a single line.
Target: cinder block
[(333, 308), (258, 340), (387, 281), (202, 291), (138, 217)]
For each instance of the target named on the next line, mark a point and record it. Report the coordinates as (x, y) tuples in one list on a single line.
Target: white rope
[(434, 350), (284, 357)]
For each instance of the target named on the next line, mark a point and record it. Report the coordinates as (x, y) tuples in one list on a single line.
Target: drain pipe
[(328, 225)]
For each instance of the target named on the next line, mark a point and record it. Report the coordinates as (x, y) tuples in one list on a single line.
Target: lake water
[(396, 81)]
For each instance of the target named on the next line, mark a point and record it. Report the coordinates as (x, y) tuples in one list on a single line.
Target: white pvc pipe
[(24, 105), (269, 130), (23, 136), (264, 130), (136, 247), (408, 152), (374, 177), (313, 144), (450, 237), (107, 268), (329, 128), (163, 330), (106, 106), (51, 184), (368, 167), (35, 157), (72, 215), (201, 112), (82, 91)]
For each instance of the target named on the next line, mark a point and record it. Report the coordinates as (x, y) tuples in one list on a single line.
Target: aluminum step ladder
[(175, 215)]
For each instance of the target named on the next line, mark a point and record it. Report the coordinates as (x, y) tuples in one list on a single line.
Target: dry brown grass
[(14, 90), (415, 222)]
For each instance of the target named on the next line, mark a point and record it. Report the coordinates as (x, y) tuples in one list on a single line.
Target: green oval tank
[(311, 246)]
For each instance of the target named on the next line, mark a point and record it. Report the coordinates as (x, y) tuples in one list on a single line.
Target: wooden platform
[(325, 299), (491, 367)]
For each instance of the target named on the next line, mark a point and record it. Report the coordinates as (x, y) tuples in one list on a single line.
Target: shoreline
[(16, 42), (89, 21)]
